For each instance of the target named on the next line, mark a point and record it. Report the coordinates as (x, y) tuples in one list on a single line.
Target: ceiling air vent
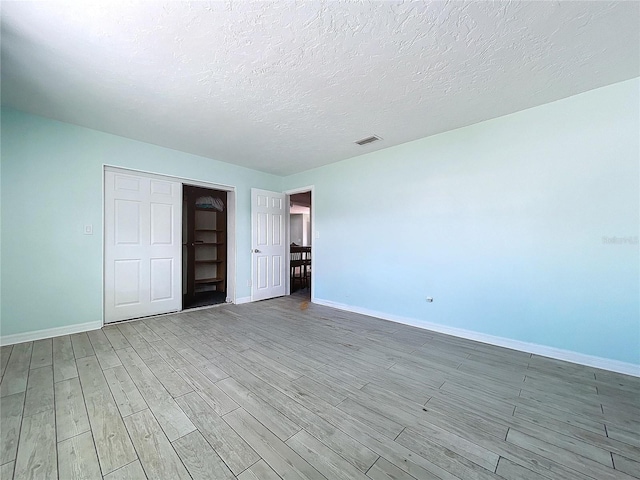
[(371, 139)]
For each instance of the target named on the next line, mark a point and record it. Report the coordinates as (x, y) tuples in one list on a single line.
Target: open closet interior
[(204, 246)]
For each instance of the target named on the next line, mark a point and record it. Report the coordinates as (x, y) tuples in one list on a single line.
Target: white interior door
[(143, 246), (269, 247)]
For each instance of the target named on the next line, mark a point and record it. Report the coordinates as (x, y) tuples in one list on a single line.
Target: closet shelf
[(205, 209), (205, 257), (200, 281)]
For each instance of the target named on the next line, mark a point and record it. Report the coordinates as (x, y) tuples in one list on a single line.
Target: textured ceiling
[(287, 86)]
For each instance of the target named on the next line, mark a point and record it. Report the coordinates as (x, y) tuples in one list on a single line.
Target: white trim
[(103, 245), (49, 333), (232, 245), (542, 350), (173, 178), (241, 300)]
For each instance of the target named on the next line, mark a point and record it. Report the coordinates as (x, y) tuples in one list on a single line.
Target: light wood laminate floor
[(268, 391)]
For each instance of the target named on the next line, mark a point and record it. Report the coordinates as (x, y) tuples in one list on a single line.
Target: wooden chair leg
[(296, 277), (293, 279)]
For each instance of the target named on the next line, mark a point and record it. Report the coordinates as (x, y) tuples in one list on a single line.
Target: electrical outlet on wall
[(88, 229), (248, 283)]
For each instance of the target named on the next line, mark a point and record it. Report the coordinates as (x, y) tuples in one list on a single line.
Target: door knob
[(256, 251)]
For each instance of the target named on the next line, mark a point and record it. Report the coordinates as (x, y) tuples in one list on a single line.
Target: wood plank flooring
[(268, 391)]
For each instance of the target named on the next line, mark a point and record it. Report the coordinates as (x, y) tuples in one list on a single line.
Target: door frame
[(231, 222), (314, 236)]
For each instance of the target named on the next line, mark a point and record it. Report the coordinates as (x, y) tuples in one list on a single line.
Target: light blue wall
[(501, 222), (51, 186)]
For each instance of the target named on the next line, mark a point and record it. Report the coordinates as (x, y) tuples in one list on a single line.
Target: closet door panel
[(143, 246)]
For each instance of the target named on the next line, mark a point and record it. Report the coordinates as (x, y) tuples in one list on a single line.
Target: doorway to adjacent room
[(300, 243)]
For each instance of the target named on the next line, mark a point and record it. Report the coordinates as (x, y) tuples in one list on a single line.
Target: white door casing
[(143, 246), (268, 244)]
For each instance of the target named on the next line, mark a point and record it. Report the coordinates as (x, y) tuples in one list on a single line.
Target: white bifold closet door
[(143, 246)]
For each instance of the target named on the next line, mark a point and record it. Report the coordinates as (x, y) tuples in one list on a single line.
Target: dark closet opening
[(204, 247)]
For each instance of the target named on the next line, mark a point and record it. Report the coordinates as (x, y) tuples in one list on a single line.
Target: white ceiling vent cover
[(371, 139)]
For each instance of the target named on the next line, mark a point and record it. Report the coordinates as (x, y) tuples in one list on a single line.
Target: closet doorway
[(148, 231), (204, 247)]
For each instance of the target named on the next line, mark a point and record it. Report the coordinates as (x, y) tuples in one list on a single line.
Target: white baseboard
[(49, 333), (542, 350), (241, 300)]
